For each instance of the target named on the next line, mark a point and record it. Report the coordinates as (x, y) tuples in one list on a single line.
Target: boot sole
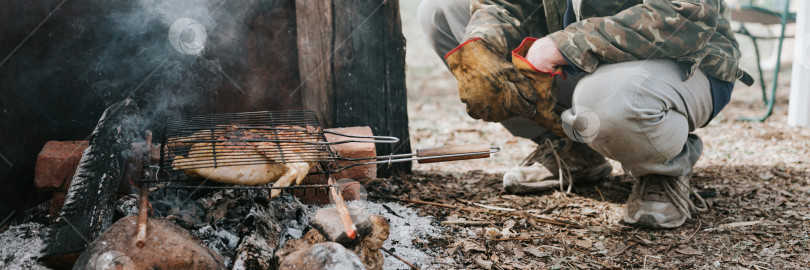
[(649, 222)]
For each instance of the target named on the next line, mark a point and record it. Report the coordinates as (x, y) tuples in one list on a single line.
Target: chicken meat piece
[(285, 161), (228, 171), (297, 167)]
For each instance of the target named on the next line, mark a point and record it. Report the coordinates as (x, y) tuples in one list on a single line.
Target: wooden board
[(90, 202), (315, 37)]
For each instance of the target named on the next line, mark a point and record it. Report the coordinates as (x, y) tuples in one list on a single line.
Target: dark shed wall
[(91, 53)]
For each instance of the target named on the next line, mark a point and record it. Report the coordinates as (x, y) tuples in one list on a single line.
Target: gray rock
[(323, 256), (367, 249)]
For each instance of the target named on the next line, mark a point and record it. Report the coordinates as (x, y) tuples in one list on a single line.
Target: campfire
[(208, 194)]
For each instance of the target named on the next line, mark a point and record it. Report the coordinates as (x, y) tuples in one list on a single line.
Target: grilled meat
[(238, 150)]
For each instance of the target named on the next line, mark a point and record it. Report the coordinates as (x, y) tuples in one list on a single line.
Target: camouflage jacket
[(696, 33)]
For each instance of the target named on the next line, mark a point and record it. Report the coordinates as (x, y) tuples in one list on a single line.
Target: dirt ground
[(755, 173)]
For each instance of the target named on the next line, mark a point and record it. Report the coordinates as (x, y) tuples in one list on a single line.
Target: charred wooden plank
[(89, 206), (260, 238)]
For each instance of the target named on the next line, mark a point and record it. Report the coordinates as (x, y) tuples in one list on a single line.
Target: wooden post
[(352, 64), (798, 111), (314, 24)]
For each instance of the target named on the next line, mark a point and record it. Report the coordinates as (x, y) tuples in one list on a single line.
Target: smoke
[(64, 62), (171, 72), (141, 63)]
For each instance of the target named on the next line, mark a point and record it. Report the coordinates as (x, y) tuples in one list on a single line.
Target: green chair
[(774, 12)]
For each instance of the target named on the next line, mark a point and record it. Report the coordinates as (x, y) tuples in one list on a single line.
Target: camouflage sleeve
[(653, 29), (502, 24)]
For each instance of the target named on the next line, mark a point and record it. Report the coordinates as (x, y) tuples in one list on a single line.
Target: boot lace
[(543, 155), (673, 189)]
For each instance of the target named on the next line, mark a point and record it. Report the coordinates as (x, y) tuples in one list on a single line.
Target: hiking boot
[(579, 162), (660, 201)]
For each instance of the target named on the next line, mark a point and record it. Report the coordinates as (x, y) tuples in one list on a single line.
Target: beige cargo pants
[(639, 113)]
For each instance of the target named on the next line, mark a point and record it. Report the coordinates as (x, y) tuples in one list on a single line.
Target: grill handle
[(452, 153), (365, 139), (429, 155)]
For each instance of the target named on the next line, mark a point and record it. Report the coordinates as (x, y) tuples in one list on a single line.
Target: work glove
[(490, 86), (543, 87)]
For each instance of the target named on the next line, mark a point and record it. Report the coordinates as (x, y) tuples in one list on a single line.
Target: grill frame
[(314, 148), (236, 139), (206, 132)]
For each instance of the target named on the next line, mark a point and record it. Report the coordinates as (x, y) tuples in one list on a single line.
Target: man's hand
[(545, 56), (489, 84), (542, 84)]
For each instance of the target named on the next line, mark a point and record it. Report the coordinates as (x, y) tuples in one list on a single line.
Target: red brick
[(56, 164), (354, 150)]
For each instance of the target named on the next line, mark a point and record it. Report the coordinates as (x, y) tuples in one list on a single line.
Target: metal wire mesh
[(243, 139)]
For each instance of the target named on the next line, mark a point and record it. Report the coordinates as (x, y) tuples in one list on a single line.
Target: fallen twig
[(439, 205), (600, 193), (547, 220), (548, 209), (470, 223), (521, 238), (400, 258), (495, 207), (391, 211), (536, 217), (7, 218), (734, 225), (143, 217)]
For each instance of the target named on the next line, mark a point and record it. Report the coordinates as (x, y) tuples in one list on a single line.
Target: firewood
[(89, 206)]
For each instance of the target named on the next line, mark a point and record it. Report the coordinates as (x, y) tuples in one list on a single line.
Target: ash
[(408, 232), (217, 218), (20, 246)]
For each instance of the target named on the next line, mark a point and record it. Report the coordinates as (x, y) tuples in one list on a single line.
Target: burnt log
[(260, 237), (89, 205), (352, 66)]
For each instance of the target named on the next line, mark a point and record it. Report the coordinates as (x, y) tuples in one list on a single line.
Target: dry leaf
[(584, 243), (588, 211), (644, 250), (766, 175), (451, 249), (535, 252), (466, 246), (492, 232), (506, 231), (486, 264), (688, 251)]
